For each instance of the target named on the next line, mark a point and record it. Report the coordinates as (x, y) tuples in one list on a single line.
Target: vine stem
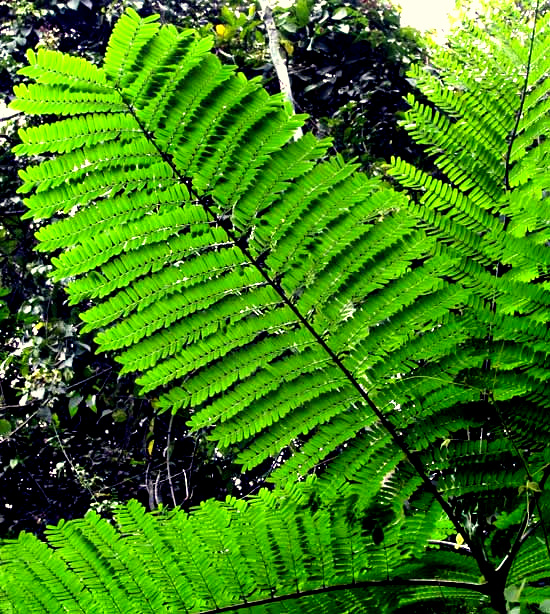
[(79, 479), (522, 99), (168, 455)]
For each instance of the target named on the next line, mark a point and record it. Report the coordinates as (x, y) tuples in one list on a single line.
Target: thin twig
[(158, 498), (83, 381), (7, 119), (6, 436), (188, 491), (168, 454), (522, 100)]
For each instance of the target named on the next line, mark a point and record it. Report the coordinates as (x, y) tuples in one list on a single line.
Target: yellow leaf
[(220, 29), (533, 486), (289, 47), (150, 447), (459, 541), (529, 486)]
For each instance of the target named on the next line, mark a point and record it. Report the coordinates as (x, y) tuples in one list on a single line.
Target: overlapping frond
[(274, 553), (487, 207)]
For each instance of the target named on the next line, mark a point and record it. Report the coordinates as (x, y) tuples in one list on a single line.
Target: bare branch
[(279, 63)]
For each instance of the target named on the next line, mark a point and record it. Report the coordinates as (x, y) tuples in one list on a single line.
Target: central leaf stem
[(477, 551)]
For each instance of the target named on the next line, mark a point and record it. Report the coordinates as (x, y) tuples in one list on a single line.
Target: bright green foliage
[(276, 552), (290, 303), (268, 549), (489, 208)]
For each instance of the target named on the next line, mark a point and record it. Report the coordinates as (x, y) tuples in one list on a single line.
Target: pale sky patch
[(426, 15), (436, 16)]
